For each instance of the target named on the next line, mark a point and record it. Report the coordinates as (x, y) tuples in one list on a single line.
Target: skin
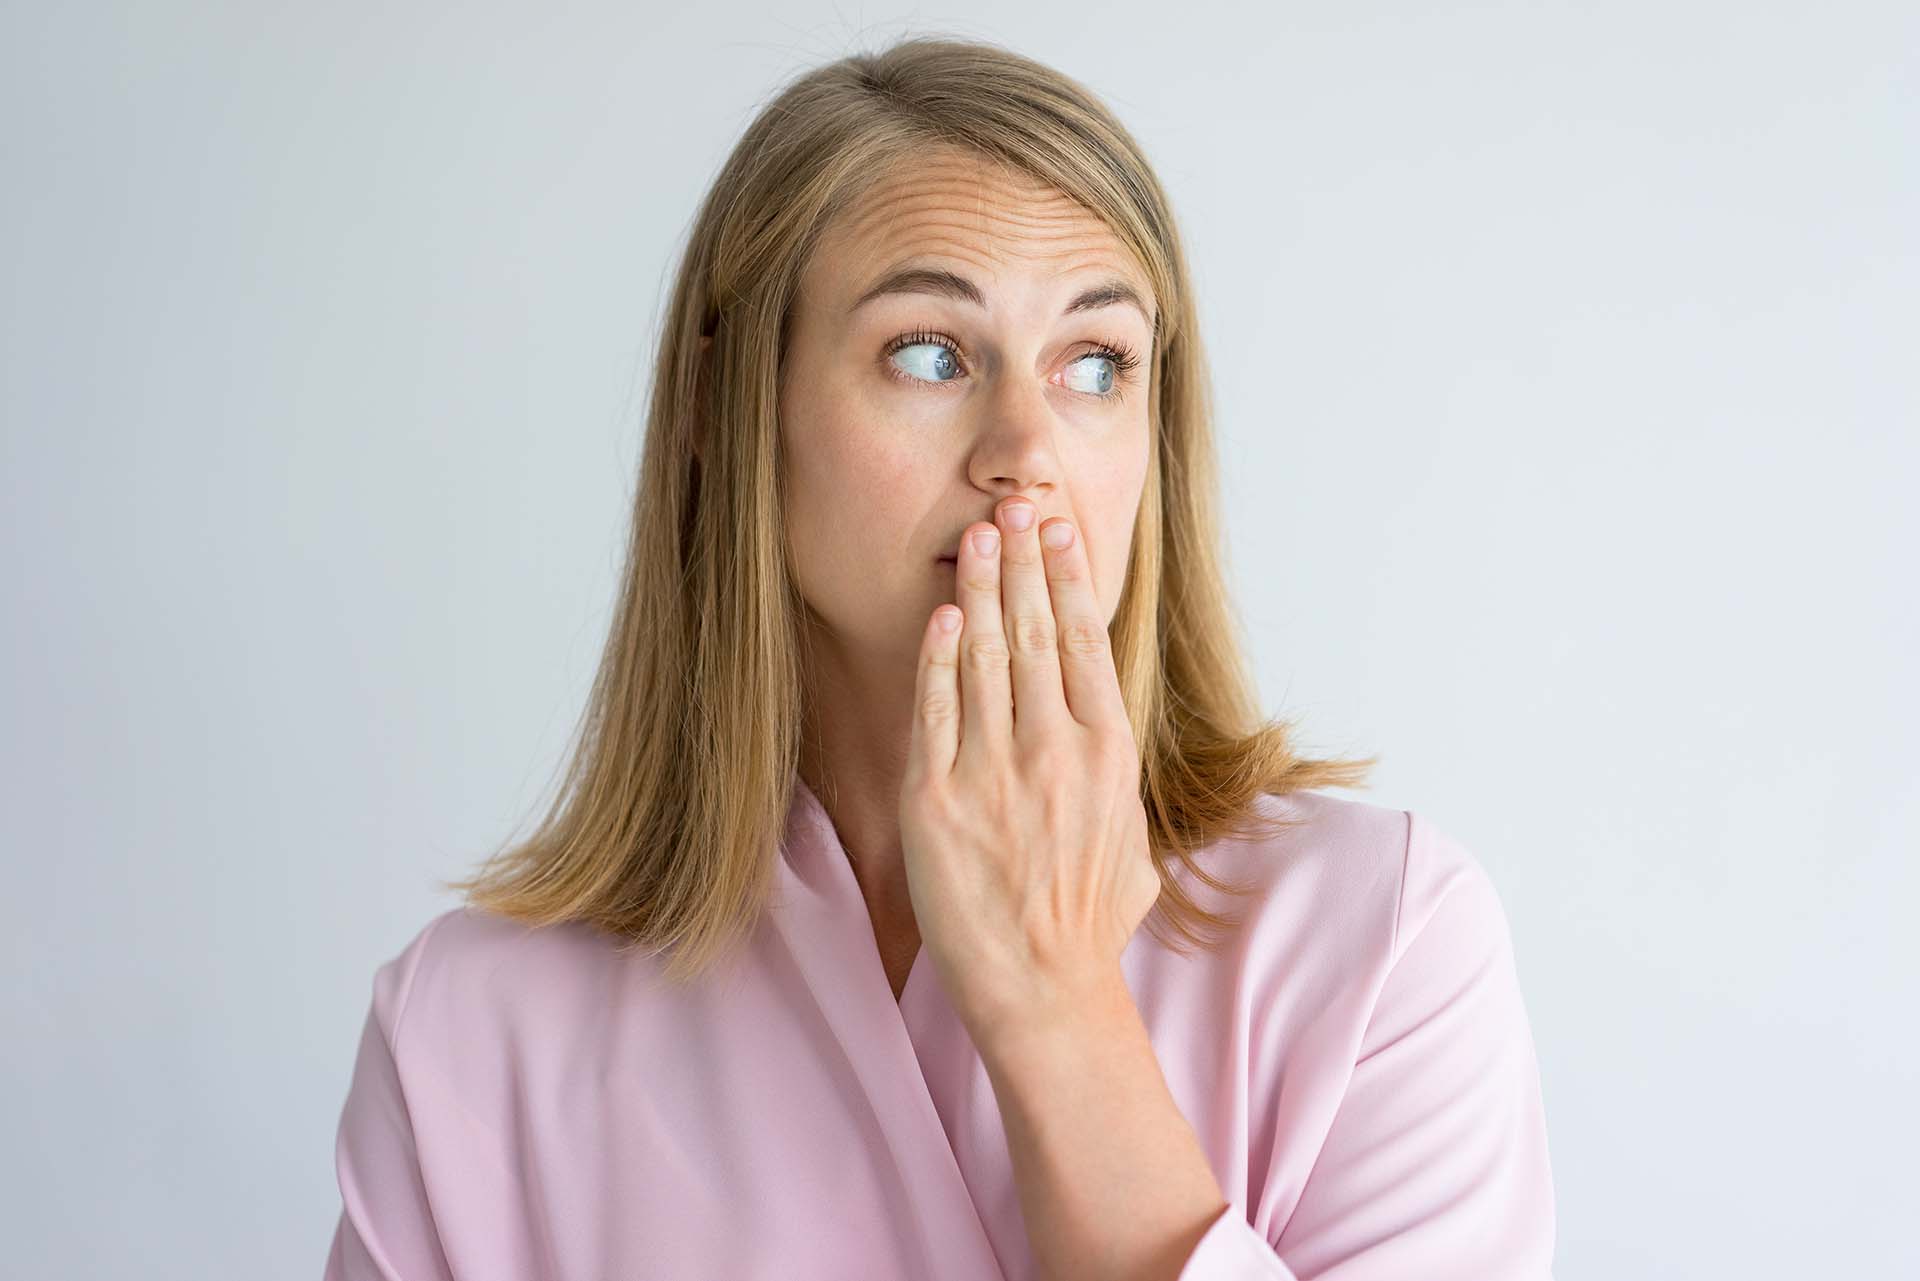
[(884, 475), (984, 779)]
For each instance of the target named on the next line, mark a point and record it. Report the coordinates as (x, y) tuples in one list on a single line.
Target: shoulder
[(1313, 859), (468, 975), (1347, 885)]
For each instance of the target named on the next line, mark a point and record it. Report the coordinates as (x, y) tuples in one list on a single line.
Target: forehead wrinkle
[(942, 207), (954, 181), (1054, 257), (959, 208), (936, 234), (919, 226)]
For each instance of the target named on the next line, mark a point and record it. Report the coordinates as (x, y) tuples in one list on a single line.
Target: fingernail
[(1057, 535), (1018, 515), (985, 541)]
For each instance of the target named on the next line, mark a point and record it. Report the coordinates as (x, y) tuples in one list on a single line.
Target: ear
[(699, 424)]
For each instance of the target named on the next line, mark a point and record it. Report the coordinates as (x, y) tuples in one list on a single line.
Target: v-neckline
[(881, 1036), (818, 824), (822, 861), (907, 984)]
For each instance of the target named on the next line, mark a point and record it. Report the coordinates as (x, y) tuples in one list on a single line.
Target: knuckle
[(1107, 753), (1047, 758), (1083, 639), (937, 706), (986, 654), (1033, 634)]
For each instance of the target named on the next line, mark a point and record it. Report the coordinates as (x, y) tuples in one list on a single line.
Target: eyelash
[(1122, 356)]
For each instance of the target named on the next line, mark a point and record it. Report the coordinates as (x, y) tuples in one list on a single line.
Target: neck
[(853, 754)]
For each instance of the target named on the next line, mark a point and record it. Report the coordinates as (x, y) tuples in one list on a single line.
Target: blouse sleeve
[(1435, 1164), (386, 1230)]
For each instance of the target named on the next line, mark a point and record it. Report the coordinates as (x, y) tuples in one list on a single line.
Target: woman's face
[(908, 413)]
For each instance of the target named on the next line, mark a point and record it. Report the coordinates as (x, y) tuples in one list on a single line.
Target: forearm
[(1112, 1181)]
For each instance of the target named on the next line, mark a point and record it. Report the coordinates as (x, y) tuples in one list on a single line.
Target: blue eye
[(943, 364), (931, 370), (1105, 382)]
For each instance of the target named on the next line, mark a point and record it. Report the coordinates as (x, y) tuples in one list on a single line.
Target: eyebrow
[(947, 284)]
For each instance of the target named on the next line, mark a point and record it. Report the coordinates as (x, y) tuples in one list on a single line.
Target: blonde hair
[(675, 796)]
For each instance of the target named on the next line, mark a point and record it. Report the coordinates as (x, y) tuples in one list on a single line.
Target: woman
[(936, 293)]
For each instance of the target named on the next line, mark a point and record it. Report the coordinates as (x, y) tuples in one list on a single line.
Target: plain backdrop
[(1566, 367)]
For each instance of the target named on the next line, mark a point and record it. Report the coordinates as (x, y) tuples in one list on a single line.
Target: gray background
[(1568, 402)]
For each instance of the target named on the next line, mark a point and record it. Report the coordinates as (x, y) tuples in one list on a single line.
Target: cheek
[(1111, 544), (856, 500), (821, 439)]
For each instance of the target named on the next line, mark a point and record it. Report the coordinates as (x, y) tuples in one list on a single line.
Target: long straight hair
[(664, 831)]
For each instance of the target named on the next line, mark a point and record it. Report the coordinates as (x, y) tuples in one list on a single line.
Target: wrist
[(1056, 1020)]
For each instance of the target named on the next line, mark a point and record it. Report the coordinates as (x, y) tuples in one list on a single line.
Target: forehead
[(987, 220)]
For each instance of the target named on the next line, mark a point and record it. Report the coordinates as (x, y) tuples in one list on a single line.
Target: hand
[(1024, 836)]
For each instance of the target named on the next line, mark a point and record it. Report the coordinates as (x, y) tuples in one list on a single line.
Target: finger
[(936, 698), (1087, 670), (986, 700), (1039, 698)]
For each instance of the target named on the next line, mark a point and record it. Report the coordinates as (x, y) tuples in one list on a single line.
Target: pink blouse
[(1355, 1060)]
